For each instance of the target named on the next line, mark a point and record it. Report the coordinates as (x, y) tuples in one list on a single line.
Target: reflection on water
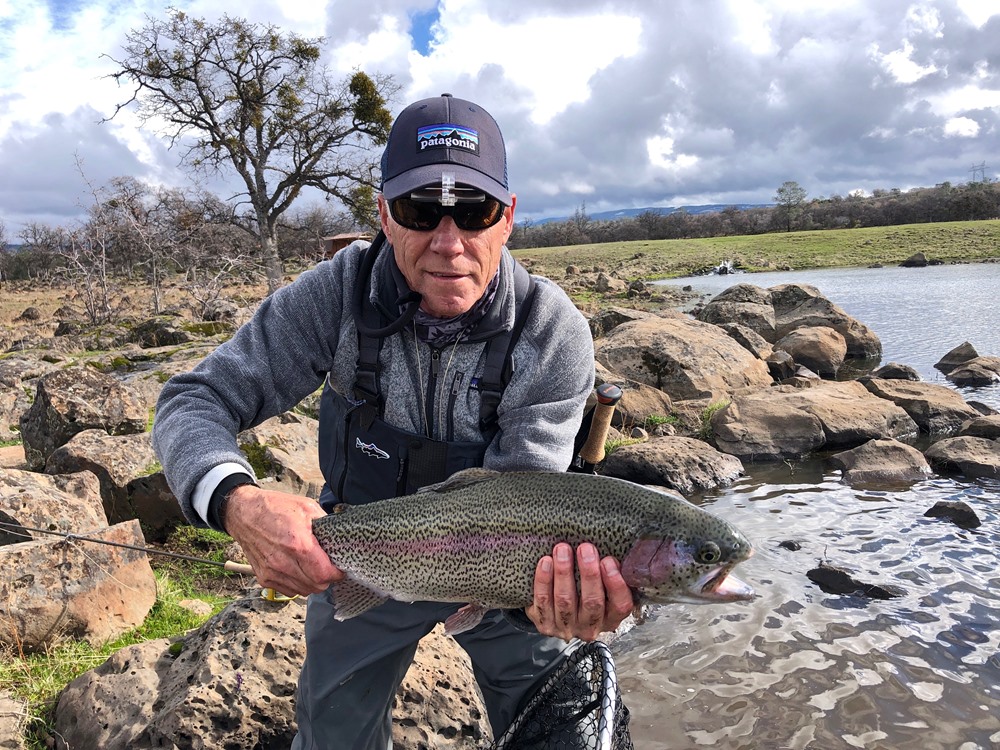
[(798, 668), (920, 314)]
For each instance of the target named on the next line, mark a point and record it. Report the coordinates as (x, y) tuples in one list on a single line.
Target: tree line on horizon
[(793, 211)]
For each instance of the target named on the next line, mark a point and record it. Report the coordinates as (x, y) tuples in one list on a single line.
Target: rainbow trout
[(476, 538)]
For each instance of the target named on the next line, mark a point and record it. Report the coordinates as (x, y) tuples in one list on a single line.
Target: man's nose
[(447, 237)]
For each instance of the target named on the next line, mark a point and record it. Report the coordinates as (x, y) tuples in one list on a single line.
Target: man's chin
[(446, 299)]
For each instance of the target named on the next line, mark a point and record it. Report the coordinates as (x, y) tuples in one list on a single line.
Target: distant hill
[(630, 213)]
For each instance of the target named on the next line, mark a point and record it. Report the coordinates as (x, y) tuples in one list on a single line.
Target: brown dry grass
[(49, 297)]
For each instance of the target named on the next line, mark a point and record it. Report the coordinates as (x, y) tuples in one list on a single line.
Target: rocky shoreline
[(751, 377)]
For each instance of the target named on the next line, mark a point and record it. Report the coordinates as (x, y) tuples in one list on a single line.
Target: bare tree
[(790, 197), (243, 96), (206, 285), (87, 255)]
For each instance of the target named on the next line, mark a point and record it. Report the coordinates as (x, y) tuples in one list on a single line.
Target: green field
[(950, 242)]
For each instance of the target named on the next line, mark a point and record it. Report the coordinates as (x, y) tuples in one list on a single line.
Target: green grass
[(951, 242), (655, 420), (705, 431), (610, 446)]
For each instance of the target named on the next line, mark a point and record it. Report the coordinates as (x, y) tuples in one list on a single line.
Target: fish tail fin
[(351, 598)]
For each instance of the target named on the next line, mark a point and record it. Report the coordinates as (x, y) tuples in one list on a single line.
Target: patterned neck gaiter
[(441, 332)]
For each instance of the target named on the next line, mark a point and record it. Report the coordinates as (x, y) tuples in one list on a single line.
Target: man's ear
[(383, 216), (508, 218)]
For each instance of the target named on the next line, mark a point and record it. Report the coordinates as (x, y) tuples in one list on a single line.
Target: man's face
[(450, 267)]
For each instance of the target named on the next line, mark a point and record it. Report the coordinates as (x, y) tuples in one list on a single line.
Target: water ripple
[(799, 668)]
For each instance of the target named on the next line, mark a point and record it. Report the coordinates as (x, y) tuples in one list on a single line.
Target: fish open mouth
[(720, 586)]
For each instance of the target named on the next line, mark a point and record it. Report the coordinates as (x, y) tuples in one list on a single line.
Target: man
[(411, 336)]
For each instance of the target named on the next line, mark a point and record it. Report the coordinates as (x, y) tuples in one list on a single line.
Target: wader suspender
[(499, 351)]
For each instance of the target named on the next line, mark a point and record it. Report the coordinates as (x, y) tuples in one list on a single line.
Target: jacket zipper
[(431, 388), (452, 399)]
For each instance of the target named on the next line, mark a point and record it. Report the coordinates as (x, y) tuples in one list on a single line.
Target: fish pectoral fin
[(465, 619), (351, 598), (462, 479)]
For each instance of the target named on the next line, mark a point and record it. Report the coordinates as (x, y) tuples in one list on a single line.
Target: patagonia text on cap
[(445, 134)]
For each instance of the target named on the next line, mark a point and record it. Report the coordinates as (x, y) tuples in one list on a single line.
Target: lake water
[(799, 668)]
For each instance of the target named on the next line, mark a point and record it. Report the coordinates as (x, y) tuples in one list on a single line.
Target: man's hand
[(275, 531), (604, 599)]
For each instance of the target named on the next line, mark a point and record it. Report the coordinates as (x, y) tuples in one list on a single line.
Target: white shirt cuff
[(207, 484)]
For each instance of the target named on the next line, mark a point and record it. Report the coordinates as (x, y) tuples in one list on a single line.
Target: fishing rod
[(592, 451), (18, 529)]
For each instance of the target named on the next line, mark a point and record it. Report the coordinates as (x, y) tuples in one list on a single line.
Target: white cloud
[(979, 11), (969, 97), (662, 156), (961, 127), (900, 64), (551, 58)]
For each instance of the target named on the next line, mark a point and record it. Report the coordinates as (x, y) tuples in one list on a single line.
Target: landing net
[(579, 707)]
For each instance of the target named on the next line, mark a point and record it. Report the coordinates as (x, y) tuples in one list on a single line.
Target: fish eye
[(708, 553)]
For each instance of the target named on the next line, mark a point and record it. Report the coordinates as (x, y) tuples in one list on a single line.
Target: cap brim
[(430, 175)]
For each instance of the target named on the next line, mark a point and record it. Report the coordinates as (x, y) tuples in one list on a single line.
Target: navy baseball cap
[(445, 134)]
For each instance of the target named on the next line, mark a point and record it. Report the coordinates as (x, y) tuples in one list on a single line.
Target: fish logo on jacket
[(370, 449)]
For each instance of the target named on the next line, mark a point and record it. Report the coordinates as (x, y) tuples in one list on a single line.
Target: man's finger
[(564, 591), (590, 617), (540, 611), (620, 601)]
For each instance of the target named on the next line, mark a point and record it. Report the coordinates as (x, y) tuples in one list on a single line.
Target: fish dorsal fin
[(462, 479)]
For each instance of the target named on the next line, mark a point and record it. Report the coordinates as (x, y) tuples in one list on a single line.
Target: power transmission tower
[(979, 170)]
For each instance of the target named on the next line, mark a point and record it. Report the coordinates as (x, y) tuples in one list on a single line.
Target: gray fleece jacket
[(304, 333)]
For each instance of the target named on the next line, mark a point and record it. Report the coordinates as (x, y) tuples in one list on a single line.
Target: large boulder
[(743, 304), (937, 409), (986, 426), (148, 496), (799, 305), (14, 371), (849, 414), (283, 451), (605, 321), (973, 457), (749, 339), (789, 422), (818, 348), (73, 400), (680, 463), (980, 371), (68, 503), (881, 462), (54, 589), (687, 359), (231, 684), (17, 376), (116, 460), (957, 356), (758, 429), (896, 371)]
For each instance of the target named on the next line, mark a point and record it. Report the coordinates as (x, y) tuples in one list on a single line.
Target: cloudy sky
[(608, 104)]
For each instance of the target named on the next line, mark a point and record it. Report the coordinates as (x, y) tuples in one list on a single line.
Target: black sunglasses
[(425, 215)]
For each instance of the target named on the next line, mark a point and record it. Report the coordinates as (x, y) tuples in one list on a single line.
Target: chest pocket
[(362, 463)]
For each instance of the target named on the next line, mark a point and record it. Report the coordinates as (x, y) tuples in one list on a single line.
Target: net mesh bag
[(579, 707)]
